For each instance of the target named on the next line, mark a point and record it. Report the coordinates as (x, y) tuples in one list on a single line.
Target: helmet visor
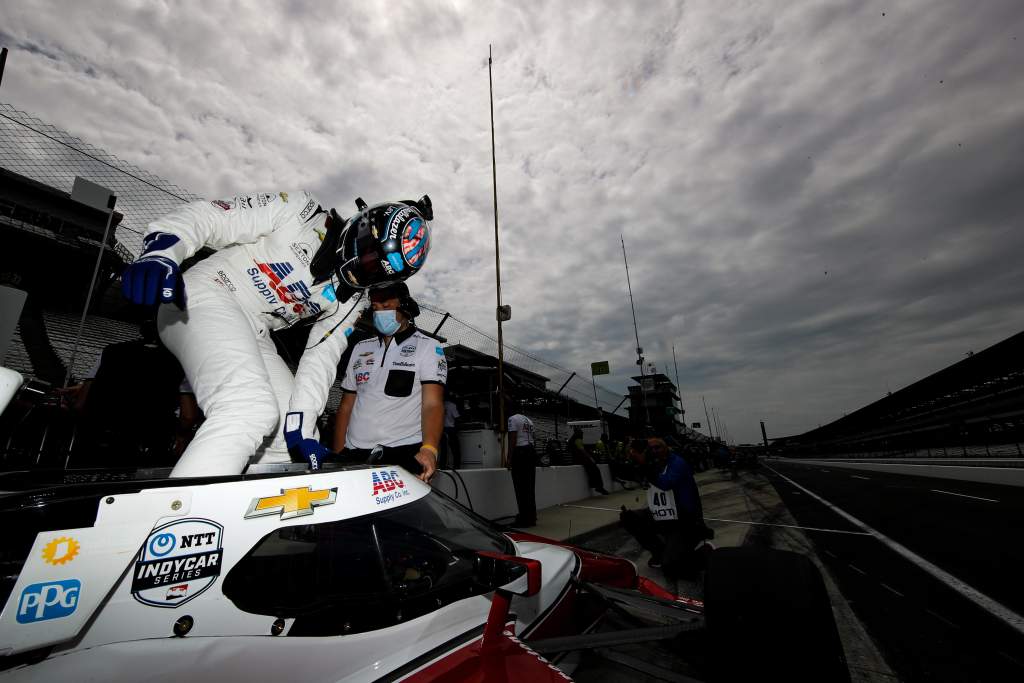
[(362, 254)]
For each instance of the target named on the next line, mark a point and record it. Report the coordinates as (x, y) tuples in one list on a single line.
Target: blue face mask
[(386, 322)]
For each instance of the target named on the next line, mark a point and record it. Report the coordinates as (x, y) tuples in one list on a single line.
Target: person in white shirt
[(393, 390), (522, 461), (450, 446)]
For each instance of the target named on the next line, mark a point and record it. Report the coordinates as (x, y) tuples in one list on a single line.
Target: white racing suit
[(258, 281)]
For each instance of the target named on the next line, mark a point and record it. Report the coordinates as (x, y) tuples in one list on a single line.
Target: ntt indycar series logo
[(387, 487), (178, 561)]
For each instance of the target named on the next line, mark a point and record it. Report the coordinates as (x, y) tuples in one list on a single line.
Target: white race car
[(360, 574)]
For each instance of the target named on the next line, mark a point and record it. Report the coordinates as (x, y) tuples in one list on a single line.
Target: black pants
[(671, 542), (524, 478), (594, 479), (403, 456)]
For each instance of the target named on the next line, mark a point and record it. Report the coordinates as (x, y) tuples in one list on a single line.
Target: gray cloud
[(820, 202)]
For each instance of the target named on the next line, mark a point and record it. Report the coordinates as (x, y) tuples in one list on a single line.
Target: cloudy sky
[(821, 201)]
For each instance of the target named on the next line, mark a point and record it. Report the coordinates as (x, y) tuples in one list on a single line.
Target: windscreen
[(365, 573)]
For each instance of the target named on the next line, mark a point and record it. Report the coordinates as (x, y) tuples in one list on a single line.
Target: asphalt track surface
[(926, 629)]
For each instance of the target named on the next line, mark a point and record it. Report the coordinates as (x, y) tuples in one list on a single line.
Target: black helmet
[(380, 245)]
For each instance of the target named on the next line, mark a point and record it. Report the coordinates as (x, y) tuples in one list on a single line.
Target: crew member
[(672, 526), (522, 460), (282, 259), (451, 449), (393, 390), (579, 454)]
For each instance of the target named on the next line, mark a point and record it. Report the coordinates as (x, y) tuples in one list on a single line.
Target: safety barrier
[(491, 494)]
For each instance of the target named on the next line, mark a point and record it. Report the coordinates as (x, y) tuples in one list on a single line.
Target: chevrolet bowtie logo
[(292, 503)]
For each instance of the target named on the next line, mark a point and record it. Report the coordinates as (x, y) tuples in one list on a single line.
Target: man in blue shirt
[(672, 525)]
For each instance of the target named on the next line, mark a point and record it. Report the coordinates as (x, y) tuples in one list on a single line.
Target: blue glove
[(153, 279), (310, 449)]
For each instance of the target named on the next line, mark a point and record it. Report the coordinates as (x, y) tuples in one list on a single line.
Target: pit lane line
[(948, 493), (990, 605), (964, 495), (740, 521)]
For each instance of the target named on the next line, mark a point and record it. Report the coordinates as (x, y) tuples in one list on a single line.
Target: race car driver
[(282, 259), (394, 390)]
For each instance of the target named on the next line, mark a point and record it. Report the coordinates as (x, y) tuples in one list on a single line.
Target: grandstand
[(973, 408)]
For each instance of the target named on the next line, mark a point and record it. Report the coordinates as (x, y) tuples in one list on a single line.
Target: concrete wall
[(492, 495), (1007, 476)]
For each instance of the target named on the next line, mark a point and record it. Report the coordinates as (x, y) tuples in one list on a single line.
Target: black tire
[(769, 617)]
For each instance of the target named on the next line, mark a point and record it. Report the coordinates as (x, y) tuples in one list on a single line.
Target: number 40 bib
[(662, 504)]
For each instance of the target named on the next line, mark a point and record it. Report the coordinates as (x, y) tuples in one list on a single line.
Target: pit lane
[(925, 627), (746, 511)]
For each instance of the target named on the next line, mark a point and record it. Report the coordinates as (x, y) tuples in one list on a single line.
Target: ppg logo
[(42, 601)]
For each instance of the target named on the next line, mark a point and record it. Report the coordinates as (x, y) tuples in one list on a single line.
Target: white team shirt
[(387, 384), (521, 425)]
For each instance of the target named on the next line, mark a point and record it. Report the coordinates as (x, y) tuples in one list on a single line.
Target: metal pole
[(679, 389), (441, 324), (623, 401), (636, 334), (502, 428), (3, 63), (566, 382), (92, 285), (706, 416), (676, 365)]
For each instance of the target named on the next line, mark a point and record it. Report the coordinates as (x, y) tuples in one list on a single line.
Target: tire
[(769, 618)]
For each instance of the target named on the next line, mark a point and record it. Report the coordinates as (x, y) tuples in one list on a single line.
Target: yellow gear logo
[(61, 550)]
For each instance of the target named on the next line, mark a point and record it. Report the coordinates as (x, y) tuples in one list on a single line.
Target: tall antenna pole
[(679, 390), (497, 270), (706, 416), (636, 333)]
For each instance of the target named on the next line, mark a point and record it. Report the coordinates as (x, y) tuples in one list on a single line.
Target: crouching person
[(671, 527)]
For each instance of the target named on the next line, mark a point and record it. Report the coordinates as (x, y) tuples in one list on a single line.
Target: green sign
[(600, 368)]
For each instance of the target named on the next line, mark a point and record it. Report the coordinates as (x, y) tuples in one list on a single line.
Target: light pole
[(500, 314), (636, 334)]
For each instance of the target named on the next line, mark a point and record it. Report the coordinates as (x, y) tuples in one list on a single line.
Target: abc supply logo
[(295, 295), (387, 487), (53, 600), (60, 550), (178, 561), (297, 502)]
